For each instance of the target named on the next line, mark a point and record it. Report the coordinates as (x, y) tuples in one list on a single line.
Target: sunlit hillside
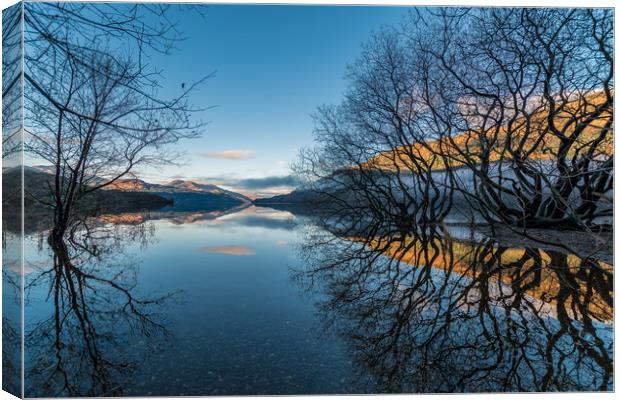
[(529, 138)]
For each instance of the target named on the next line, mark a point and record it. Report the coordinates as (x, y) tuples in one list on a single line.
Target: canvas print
[(222, 199)]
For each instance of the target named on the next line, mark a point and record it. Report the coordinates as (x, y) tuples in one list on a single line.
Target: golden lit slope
[(530, 138)]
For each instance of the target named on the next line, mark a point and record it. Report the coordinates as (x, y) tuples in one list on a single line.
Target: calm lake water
[(260, 301)]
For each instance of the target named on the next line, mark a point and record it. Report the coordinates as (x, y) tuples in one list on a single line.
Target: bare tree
[(354, 168), (500, 115), (505, 113), (103, 129), (530, 111), (11, 199), (92, 105), (11, 88)]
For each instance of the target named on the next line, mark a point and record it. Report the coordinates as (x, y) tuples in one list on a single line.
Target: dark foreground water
[(258, 301)]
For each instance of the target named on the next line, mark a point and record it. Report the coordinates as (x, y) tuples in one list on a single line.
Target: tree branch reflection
[(86, 343), (425, 312)]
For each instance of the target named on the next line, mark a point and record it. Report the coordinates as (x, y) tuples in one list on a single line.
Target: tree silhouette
[(92, 105), (503, 116)]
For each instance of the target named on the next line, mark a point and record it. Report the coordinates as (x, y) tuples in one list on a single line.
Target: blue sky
[(273, 66)]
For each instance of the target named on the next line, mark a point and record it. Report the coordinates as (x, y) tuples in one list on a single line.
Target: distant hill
[(124, 195), (187, 195), (296, 196), (299, 201), (36, 187)]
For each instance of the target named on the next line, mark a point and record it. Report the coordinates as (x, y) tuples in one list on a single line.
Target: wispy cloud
[(229, 154), (229, 250)]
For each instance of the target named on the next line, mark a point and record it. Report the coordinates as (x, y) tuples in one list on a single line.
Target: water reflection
[(89, 325), (242, 216), (229, 250), (11, 313), (388, 310), (424, 312), (82, 342)]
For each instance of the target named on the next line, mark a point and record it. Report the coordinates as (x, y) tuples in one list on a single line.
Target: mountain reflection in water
[(161, 304)]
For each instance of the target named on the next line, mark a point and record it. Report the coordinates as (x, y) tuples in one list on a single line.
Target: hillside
[(182, 191), (126, 195), (296, 196), (531, 137), (36, 189)]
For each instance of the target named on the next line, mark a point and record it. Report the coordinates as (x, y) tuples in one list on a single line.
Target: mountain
[(175, 186), (191, 186), (133, 185), (299, 201), (399, 158), (36, 184), (296, 196), (139, 185), (186, 195), (177, 195)]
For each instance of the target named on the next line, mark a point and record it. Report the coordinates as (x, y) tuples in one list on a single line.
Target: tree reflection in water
[(99, 328), (424, 312)]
